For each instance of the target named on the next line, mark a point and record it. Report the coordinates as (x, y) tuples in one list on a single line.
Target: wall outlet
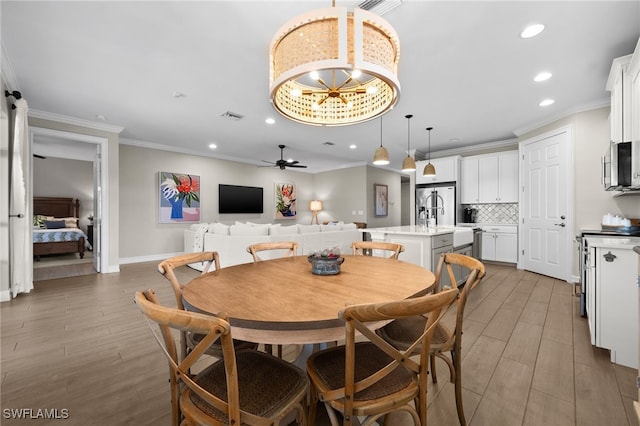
[(360, 212), (353, 212)]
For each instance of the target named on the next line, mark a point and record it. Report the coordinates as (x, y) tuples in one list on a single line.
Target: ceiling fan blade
[(289, 163), (40, 156), (297, 165), (270, 162)]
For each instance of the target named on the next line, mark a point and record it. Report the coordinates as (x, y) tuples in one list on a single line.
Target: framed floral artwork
[(380, 195), (179, 197), (285, 201)]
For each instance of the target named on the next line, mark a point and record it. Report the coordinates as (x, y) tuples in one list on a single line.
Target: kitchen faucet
[(431, 209)]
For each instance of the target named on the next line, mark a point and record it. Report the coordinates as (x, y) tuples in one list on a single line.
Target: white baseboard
[(148, 258), (575, 279), (5, 295)]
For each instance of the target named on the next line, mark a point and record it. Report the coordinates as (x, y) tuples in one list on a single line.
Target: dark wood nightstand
[(90, 235)]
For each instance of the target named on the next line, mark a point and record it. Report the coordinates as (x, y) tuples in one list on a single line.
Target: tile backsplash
[(506, 213)]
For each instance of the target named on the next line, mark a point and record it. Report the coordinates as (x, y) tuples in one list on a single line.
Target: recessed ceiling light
[(543, 76), (101, 117), (177, 94), (353, 146), (532, 31), (546, 102), (269, 120), (213, 146)]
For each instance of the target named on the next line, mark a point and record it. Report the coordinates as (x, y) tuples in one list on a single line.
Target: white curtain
[(20, 245)]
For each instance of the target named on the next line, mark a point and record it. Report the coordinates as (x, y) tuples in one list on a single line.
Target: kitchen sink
[(462, 237)]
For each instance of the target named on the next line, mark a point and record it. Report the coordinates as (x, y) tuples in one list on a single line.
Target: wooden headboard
[(56, 206)]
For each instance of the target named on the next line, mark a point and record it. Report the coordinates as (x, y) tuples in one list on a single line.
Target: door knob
[(560, 224)]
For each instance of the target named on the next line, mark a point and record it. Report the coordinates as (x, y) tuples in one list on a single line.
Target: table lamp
[(315, 206)]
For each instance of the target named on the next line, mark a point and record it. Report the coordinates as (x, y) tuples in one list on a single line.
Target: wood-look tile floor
[(79, 344)]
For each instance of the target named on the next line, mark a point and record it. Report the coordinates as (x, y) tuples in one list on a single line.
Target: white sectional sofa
[(231, 241)]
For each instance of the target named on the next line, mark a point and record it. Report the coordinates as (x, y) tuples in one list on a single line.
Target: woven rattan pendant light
[(381, 156)]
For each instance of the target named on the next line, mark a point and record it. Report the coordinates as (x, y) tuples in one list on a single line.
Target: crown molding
[(605, 102), (43, 115)]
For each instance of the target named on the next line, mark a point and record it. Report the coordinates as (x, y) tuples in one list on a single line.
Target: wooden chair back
[(213, 329), (291, 248), (168, 268), (356, 319), (364, 247)]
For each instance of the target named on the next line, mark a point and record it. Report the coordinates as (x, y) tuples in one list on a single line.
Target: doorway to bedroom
[(65, 168)]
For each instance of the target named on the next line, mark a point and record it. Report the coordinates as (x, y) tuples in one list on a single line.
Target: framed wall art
[(285, 201), (380, 198), (179, 197)]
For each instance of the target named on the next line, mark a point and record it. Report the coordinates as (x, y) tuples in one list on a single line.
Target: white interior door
[(545, 205)]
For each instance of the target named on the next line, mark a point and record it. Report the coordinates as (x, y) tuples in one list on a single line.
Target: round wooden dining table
[(281, 302)]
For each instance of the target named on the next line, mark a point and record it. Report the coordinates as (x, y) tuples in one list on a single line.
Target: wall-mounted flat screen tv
[(239, 199)]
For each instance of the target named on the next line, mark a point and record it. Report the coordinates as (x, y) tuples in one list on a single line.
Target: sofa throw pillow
[(219, 228), (284, 230), (331, 227), (308, 229), (248, 230), (54, 224)]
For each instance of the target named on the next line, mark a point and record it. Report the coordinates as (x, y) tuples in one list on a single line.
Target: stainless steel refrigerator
[(439, 201)]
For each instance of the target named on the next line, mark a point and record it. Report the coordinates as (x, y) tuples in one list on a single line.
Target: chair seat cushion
[(265, 384), (329, 365), (404, 331)]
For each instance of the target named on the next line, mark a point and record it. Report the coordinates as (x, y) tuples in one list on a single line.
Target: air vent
[(379, 7), (232, 116), (328, 143)]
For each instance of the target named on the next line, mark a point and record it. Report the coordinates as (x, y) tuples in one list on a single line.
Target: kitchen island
[(423, 246)]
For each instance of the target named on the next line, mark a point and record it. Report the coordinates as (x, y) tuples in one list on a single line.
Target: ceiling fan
[(282, 163)]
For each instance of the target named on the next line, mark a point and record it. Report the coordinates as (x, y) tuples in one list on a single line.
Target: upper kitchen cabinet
[(634, 77), (490, 178), (624, 85), (447, 170), (619, 84)]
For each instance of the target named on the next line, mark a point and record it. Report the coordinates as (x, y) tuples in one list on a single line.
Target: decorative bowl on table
[(326, 262)]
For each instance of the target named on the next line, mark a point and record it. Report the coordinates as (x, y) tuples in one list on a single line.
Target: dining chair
[(243, 387), (364, 247), (291, 248), (372, 378), (401, 333), (168, 268)]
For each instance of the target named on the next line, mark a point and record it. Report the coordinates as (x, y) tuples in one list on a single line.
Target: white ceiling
[(463, 69)]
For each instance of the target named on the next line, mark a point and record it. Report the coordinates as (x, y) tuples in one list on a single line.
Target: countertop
[(627, 243), (413, 230)]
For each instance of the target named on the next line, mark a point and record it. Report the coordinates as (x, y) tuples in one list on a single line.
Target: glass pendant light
[(408, 165), (381, 156), (429, 169)]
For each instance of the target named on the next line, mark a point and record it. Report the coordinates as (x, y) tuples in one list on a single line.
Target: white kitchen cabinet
[(469, 180), (500, 243), (612, 299), (619, 84), (490, 178), (447, 170), (634, 78)]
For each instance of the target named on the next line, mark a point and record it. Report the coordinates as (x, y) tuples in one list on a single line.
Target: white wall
[(4, 196), (392, 180), (342, 193), (141, 234)]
